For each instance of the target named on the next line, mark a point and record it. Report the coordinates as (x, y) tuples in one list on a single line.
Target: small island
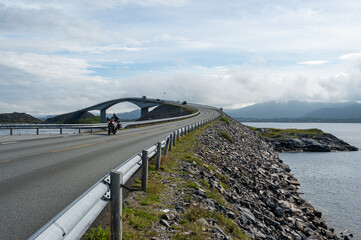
[(302, 140)]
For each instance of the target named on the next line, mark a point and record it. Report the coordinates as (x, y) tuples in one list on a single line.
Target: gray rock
[(203, 222), (165, 223), (200, 193), (247, 214), (279, 212)]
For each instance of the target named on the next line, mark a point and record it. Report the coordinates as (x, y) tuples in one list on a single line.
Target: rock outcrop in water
[(299, 142)]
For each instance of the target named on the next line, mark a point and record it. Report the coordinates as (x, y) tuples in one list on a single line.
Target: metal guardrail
[(73, 221), (91, 127)]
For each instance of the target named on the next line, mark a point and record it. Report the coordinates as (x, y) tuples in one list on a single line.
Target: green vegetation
[(154, 190), (191, 184), (89, 120), (225, 119), (226, 135), (98, 233), (188, 109), (139, 219), (196, 213), (276, 133)]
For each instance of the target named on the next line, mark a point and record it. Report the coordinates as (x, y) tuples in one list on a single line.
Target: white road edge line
[(4, 143)]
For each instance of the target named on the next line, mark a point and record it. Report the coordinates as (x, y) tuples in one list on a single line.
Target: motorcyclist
[(116, 119)]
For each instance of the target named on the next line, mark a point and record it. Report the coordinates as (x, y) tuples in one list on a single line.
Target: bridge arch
[(143, 103)]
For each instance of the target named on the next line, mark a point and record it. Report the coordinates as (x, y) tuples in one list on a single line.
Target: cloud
[(45, 83), (313, 62), (229, 86), (350, 56), (78, 53)]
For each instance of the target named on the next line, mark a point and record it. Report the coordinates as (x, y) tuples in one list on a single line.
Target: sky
[(61, 56)]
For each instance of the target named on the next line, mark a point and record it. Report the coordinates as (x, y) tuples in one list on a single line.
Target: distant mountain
[(18, 118), (132, 115), (295, 110), (345, 112), (43, 118)]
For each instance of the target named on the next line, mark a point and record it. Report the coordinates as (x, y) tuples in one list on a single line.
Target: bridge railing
[(74, 220)]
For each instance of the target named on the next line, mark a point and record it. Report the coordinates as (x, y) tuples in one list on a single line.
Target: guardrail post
[(91, 130), (189, 130), (79, 130), (116, 190), (170, 142), (144, 170), (166, 147), (178, 135), (37, 131), (11, 131), (61, 131), (174, 134), (159, 151)]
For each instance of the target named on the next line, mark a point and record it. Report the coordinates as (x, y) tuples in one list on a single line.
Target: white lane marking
[(8, 143)]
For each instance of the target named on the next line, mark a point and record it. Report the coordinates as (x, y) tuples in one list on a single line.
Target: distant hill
[(70, 118), (18, 118), (132, 115), (346, 112), (297, 110)]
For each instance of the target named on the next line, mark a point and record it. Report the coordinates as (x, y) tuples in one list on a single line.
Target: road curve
[(39, 178)]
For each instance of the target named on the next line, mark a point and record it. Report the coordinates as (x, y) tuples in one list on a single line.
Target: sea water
[(331, 182)]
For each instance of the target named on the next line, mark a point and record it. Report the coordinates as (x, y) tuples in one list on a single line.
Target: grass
[(154, 189), (276, 133), (196, 213), (98, 233), (225, 119), (226, 135), (191, 184), (90, 120), (139, 219)]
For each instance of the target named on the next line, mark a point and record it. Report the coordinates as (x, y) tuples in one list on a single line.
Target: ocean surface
[(41, 131), (331, 182)]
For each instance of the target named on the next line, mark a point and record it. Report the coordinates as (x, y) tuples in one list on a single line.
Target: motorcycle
[(112, 127)]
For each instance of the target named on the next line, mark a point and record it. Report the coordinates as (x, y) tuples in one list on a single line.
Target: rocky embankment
[(263, 190), (231, 181), (298, 142)]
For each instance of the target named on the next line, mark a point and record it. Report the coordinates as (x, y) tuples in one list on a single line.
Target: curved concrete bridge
[(143, 103)]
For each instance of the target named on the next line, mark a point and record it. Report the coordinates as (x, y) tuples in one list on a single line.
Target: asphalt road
[(40, 177)]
